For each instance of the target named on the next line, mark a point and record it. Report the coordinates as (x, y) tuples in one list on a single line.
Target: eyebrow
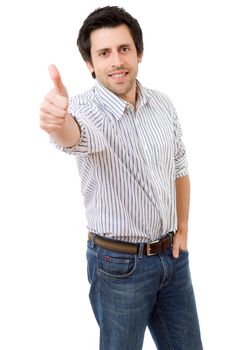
[(118, 47)]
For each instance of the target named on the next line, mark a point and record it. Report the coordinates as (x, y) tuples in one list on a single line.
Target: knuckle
[(42, 115), (43, 126), (43, 106)]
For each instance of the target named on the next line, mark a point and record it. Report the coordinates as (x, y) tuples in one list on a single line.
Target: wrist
[(182, 228)]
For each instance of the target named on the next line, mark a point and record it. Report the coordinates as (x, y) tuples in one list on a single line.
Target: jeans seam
[(163, 323), (90, 251)]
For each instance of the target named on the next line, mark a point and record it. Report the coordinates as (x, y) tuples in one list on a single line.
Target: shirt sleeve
[(91, 135), (180, 156), (181, 164)]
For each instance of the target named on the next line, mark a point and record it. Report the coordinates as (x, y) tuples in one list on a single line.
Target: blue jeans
[(130, 292)]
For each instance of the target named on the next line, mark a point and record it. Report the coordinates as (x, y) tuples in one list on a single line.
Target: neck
[(131, 97)]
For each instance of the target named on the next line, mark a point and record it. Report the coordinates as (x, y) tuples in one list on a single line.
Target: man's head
[(108, 17), (110, 42)]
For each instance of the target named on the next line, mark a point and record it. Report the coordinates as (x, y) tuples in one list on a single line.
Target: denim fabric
[(130, 292)]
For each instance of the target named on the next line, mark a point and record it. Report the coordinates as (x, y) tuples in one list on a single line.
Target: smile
[(118, 76)]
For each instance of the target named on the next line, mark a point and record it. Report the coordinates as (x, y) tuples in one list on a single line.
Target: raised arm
[(54, 116)]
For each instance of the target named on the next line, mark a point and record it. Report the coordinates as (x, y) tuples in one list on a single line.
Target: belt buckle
[(148, 248)]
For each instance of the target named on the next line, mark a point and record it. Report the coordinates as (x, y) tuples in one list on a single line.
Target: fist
[(54, 108)]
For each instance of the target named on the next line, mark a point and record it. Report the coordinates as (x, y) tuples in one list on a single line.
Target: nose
[(117, 60)]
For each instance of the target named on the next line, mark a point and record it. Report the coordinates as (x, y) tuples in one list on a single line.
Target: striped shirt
[(128, 160)]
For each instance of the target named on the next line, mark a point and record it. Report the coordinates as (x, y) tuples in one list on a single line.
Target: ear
[(140, 58), (90, 67)]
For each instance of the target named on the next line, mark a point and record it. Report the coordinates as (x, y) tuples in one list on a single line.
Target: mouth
[(118, 76)]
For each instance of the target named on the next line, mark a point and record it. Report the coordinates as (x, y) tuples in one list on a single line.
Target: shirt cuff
[(91, 139)]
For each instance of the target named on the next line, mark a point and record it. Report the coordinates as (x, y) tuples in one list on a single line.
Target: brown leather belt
[(150, 248)]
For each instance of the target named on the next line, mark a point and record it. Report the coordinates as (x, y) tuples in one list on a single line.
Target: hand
[(54, 109), (180, 242)]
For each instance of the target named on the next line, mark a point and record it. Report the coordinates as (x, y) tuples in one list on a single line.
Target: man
[(132, 163)]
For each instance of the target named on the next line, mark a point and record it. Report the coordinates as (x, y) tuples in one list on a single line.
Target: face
[(115, 61)]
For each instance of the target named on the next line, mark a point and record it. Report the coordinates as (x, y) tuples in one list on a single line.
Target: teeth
[(118, 75)]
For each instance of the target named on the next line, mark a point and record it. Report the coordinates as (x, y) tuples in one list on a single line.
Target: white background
[(188, 55)]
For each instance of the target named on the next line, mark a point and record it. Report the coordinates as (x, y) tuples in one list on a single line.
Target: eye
[(103, 53), (125, 49)]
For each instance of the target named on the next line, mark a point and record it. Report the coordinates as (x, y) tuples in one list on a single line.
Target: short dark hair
[(108, 17)]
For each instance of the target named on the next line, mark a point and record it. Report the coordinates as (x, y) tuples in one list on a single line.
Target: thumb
[(56, 78), (175, 249)]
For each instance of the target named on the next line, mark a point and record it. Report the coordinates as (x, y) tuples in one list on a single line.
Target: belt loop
[(141, 247), (93, 240), (171, 234)]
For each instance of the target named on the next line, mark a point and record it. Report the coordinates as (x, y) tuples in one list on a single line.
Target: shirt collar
[(142, 98), (115, 104)]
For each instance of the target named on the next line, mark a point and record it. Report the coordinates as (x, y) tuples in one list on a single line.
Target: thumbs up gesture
[(54, 109)]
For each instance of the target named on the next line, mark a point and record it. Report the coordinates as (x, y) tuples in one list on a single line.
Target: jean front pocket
[(116, 264), (92, 259)]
